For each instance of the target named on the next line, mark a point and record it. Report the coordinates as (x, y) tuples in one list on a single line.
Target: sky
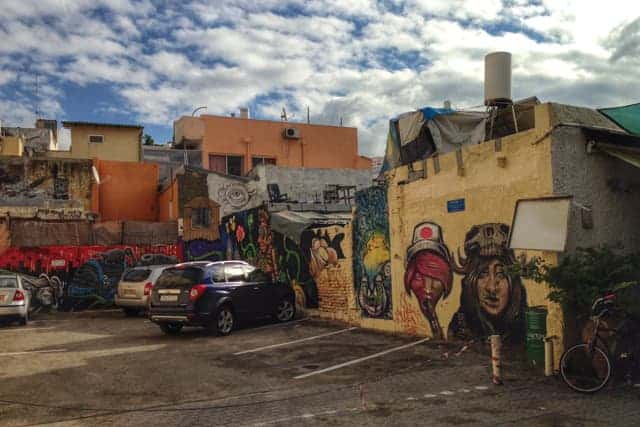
[(149, 62)]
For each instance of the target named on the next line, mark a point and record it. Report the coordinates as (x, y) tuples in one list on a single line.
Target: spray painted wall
[(449, 241), (372, 256), (88, 274)]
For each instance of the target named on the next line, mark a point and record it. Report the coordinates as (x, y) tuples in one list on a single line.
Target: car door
[(242, 292), (264, 291)]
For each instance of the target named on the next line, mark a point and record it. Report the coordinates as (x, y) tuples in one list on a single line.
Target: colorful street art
[(428, 273), (371, 257), (201, 249), (293, 264), (491, 301), (87, 275)]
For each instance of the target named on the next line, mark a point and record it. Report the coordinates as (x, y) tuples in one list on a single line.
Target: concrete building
[(103, 141), (169, 160), (17, 141), (234, 146)]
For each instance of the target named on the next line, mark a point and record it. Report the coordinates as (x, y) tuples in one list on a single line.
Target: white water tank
[(244, 112), (497, 78)]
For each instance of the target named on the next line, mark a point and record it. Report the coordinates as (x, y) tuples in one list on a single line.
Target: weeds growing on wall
[(585, 275)]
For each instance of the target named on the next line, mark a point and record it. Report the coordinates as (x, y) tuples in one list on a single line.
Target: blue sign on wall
[(456, 205)]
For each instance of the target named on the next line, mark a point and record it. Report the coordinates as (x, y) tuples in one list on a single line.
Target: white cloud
[(362, 60)]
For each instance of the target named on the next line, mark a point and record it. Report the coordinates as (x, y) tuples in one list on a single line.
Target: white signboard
[(540, 224)]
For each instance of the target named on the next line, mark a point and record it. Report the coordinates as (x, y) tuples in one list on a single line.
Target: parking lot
[(100, 368)]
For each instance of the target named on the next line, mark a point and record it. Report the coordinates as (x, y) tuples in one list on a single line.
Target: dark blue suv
[(217, 294)]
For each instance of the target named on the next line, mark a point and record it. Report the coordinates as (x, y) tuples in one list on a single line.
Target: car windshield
[(178, 277), (136, 275), (8, 282)]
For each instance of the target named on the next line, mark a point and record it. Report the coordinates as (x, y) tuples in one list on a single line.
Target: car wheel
[(286, 310), (171, 328), (130, 312), (225, 320)]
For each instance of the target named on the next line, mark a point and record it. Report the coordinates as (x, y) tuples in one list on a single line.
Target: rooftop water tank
[(497, 78)]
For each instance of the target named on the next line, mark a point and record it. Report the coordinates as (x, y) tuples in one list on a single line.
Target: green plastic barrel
[(536, 333)]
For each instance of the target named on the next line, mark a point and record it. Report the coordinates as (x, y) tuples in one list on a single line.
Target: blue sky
[(149, 62)]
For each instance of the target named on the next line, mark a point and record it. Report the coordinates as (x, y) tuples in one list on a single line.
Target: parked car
[(135, 288), (14, 298), (216, 295)]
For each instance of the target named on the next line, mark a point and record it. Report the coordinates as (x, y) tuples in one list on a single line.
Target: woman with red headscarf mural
[(491, 301), (428, 274)]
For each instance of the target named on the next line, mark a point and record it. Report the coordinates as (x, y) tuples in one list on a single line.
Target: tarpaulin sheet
[(627, 117), (292, 224), (451, 131), (418, 134)]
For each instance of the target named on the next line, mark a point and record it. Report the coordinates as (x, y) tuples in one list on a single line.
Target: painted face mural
[(428, 273), (371, 255), (324, 252), (491, 302)]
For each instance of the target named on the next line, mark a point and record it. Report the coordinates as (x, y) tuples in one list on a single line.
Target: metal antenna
[(37, 99)]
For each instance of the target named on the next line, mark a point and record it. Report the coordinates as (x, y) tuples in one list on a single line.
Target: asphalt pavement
[(102, 368)]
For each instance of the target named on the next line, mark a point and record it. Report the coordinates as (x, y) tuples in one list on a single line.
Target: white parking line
[(25, 329), (277, 325), (362, 359), (19, 353), (315, 337)]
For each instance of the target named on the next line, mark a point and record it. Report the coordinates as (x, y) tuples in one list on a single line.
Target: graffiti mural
[(372, 259), (247, 235), (202, 249), (74, 277), (234, 196), (428, 273), (491, 302)]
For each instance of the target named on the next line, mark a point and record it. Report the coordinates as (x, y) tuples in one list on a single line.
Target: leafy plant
[(585, 275)]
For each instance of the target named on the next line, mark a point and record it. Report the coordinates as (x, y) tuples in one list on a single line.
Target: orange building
[(234, 145)]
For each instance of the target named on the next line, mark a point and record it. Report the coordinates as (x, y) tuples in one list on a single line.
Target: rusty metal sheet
[(149, 233), (108, 233), (49, 233)]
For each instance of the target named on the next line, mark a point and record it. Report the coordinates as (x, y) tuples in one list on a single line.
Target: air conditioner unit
[(291, 133)]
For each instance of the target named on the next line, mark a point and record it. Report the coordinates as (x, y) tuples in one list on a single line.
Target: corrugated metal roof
[(115, 125)]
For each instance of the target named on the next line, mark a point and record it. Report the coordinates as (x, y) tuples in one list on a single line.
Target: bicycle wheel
[(585, 370)]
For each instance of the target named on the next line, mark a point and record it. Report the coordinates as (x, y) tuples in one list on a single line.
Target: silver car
[(135, 287), (14, 298)]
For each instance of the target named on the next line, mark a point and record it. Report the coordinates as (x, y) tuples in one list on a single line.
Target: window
[(180, 277), (231, 165), (234, 165), (8, 282), (217, 274), (136, 275), (235, 272), (200, 218), (262, 161), (96, 138), (256, 275)]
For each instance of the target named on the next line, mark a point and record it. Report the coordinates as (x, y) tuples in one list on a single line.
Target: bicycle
[(589, 366)]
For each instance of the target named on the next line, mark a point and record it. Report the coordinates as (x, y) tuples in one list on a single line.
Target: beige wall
[(490, 193), (120, 144), (11, 146)]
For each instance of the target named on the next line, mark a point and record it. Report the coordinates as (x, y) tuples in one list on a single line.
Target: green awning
[(627, 117)]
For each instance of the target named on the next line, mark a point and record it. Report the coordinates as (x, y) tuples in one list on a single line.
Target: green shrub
[(585, 275)]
